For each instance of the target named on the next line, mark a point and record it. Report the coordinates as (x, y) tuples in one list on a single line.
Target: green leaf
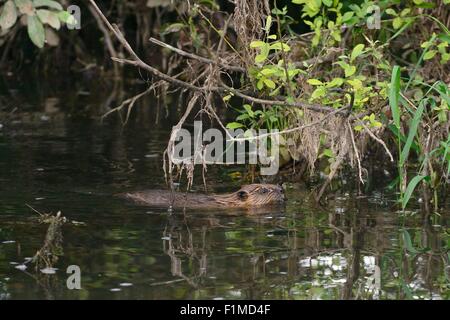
[(349, 71), (391, 12), (67, 18), (268, 24), (355, 83), (444, 37), (257, 44), (402, 138), (248, 109), (9, 15), (319, 92), (262, 56), (429, 55), (260, 84), (347, 16), (410, 189), (25, 7), (327, 153), (48, 3), (405, 12), (356, 52), (243, 116), (394, 94), (278, 46), (269, 83), (408, 242), (49, 17), (315, 82), (227, 98), (268, 71), (36, 31), (234, 125), (397, 23), (336, 82), (174, 27)]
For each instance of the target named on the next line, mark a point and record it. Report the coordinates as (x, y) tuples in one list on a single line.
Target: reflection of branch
[(130, 103), (108, 41)]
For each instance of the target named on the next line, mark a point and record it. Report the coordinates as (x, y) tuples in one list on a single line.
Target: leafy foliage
[(38, 16)]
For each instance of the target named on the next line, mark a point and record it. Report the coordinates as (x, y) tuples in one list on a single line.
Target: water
[(55, 155)]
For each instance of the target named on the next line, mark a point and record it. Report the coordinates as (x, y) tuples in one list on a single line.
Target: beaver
[(248, 196)]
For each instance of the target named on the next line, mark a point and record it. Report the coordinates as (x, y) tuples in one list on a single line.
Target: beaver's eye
[(263, 190), (242, 195)]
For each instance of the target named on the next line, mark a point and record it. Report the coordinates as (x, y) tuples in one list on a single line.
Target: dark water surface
[(56, 156)]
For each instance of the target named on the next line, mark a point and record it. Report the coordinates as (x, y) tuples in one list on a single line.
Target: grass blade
[(410, 189), (394, 94), (412, 132)]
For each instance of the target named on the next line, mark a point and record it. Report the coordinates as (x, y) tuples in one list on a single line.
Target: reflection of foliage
[(4, 295)]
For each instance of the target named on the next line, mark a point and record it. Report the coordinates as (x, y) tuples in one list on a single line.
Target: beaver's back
[(165, 198)]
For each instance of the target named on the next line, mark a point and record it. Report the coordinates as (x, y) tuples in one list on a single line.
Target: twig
[(312, 107), (355, 149), (40, 214), (375, 138), (197, 57), (311, 124)]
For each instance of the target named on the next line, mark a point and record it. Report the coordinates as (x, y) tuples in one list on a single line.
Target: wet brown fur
[(248, 196)]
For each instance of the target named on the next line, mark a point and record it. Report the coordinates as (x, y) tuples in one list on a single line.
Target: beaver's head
[(260, 194)]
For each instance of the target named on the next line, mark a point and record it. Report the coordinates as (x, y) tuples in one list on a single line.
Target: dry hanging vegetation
[(331, 92)]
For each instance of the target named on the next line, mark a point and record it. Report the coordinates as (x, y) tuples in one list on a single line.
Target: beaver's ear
[(243, 195)]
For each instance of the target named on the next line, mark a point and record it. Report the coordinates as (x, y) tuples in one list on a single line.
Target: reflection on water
[(55, 157)]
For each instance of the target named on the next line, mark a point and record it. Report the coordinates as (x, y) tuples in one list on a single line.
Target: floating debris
[(21, 267), (115, 289), (8, 241), (126, 284), (77, 223), (49, 270), (47, 256)]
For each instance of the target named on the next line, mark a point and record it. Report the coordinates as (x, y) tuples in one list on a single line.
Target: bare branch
[(196, 57), (137, 62)]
